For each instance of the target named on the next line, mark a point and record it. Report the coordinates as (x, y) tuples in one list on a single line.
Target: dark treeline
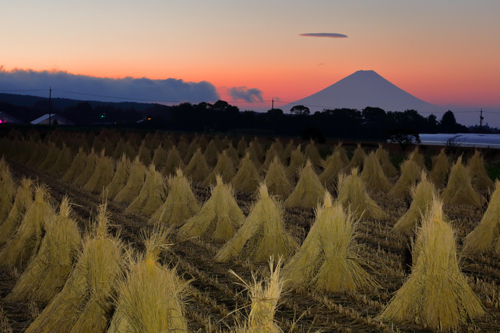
[(367, 124)]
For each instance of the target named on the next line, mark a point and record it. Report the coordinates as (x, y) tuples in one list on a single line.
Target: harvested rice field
[(126, 232)]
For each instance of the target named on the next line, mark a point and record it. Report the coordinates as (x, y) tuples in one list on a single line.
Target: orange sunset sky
[(446, 52)]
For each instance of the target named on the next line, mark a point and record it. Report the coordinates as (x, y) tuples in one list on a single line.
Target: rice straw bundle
[(144, 154), (257, 147), (182, 146), (242, 147), (297, 161), (174, 162), (308, 192), (119, 178), (22, 200), (342, 153), (25, 243), (383, 157), (254, 156), (312, 154), (262, 235), (265, 296), (436, 294), (50, 158), (326, 261), (459, 190), (479, 177), (47, 272), (168, 143), (232, 153), (77, 167), (224, 168), (270, 155), (180, 204), (152, 195), (202, 143), (103, 174), (247, 178), (84, 177), (422, 196), (440, 169), (373, 175), (129, 150), (211, 153), (410, 176), (39, 154), (197, 169), (418, 158), (485, 236), (332, 167), (85, 302), (278, 147), (119, 149), (276, 180), (352, 195), (287, 152), (134, 183), (63, 162), (357, 160), (159, 157), (7, 191), (109, 146), (151, 298), (193, 147), (218, 218)]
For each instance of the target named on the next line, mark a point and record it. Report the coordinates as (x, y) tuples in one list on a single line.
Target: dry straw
[(152, 195), (262, 235), (22, 200), (418, 158), (265, 296), (308, 192), (477, 172), (151, 298), (436, 294), (84, 177), (257, 147), (357, 160), (297, 161), (211, 153), (254, 156), (276, 180), (103, 174), (332, 167), (50, 158), (173, 162), (77, 167), (193, 147), (242, 147), (459, 190), (287, 152), (373, 175), (352, 195), (7, 190), (410, 176), (26, 242), (327, 260), (182, 146), (270, 155), (134, 183), (485, 236), (119, 178), (119, 149), (159, 157), (342, 153), (422, 196), (180, 204), (129, 150), (85, 303), (144, 154), (63, 162), (225, 168), (48, 270), (219, 217), (39, 154), (247, 178), (232, 153), (383, 157), (197, 169), (312, 154), (440, 169)]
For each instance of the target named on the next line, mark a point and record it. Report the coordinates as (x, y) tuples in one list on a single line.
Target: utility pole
[(272, 105), (50, 105), (481, 118)]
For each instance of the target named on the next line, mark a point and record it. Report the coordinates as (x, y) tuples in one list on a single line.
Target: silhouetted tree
[(300, 110)]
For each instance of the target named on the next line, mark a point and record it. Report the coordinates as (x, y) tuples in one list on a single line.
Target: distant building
[(7, 118), (51, 119)]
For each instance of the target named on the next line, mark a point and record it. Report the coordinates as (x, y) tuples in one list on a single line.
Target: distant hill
[(63, 103), (362, 89)]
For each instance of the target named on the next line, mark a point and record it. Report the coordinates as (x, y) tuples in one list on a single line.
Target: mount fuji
[(362, 89)]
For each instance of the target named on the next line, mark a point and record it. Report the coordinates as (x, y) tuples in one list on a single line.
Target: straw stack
[(63, 162), (261, 236), (225, 168), (247, 178), (134, 184), (436, 294), (342, 153), (22, 200), (373, 175), (50, 158), (103, 174), (327, 260), (356, 161), (422, 196), (119, 178), (276, 180), (218, 219), (7, 190), (440, 169), (152, 195), (242, 147), (459, 190), (197, 169), (211, 153), (383, 157), (477, 172), (159, 157), (48, 270), (76, 168), (485, 236), (410, 176), (84, 177), (311, 153), (174, 162), (332, 167), (297, 161), (418, 158), (180, 204), (309, 192), (144, 154), (352, 195)]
